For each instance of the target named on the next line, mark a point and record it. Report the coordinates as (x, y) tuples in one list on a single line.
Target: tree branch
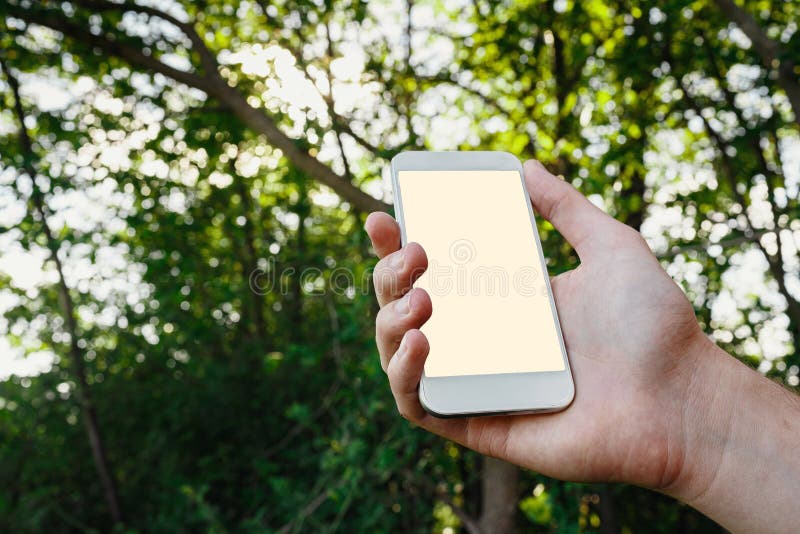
[(699, 246), (218, 88), (339, 123), (443, 77), (83, 393), (131, 54), (470, 523), (775, 265), (207, 59), (768, 50), (310, 508)]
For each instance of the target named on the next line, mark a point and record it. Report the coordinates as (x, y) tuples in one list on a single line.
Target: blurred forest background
[(155, 155)]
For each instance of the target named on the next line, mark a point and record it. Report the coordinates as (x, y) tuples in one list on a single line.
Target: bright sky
[(97, 205)]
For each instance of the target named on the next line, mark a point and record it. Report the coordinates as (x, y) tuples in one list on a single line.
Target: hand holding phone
[(657, 404), (631, 336)]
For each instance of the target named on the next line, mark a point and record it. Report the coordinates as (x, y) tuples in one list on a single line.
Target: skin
[(657, 404)]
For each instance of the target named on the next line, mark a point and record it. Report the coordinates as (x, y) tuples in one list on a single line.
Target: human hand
[(657, 404), (629, 331)]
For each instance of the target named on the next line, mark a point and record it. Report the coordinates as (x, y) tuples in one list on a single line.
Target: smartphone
[(495, 341)]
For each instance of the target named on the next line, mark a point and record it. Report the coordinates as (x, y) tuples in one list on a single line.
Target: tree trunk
[(82, 391), (499, 496), (606, 510), (250, 263)]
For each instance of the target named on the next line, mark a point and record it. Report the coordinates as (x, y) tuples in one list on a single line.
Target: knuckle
[(417, 255), (628, 236), (636, 238), (389, 318), (381, 323), (403, 411), (382, 275)]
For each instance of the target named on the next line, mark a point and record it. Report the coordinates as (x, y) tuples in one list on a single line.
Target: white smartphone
[(495, 341)]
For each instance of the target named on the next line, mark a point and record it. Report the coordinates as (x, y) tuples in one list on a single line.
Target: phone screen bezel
[(457, 396)]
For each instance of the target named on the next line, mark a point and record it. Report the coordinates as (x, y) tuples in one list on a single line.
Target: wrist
[(736, 428), (708, 402)]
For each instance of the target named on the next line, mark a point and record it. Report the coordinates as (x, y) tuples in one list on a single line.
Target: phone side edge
[(394, 168), (554, 309)]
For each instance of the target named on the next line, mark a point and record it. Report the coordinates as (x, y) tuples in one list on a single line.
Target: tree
[(220, 294), (76, 355)]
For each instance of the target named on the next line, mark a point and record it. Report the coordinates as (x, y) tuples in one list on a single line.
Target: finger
[(396, 318), (384, 233), (488, 435), (395, 273), (405, 371), (583, 225), (485, 434)]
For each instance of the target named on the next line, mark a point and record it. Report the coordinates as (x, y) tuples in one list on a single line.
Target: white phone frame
[(496, 394)]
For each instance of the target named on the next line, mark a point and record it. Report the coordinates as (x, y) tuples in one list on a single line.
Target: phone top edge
[(455, 160)]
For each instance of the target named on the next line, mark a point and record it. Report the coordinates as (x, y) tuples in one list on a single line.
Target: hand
[(629, 332), (657, 404)]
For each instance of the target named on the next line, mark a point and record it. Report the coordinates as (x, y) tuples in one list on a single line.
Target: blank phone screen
[(491, 310)]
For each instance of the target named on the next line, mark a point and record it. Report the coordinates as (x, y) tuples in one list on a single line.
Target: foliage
[(229, 406)]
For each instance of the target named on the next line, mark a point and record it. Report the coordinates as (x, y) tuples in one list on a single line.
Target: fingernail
[(397, 259), (404, 304)]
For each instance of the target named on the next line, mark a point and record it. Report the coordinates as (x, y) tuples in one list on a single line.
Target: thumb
[(583, 225)]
